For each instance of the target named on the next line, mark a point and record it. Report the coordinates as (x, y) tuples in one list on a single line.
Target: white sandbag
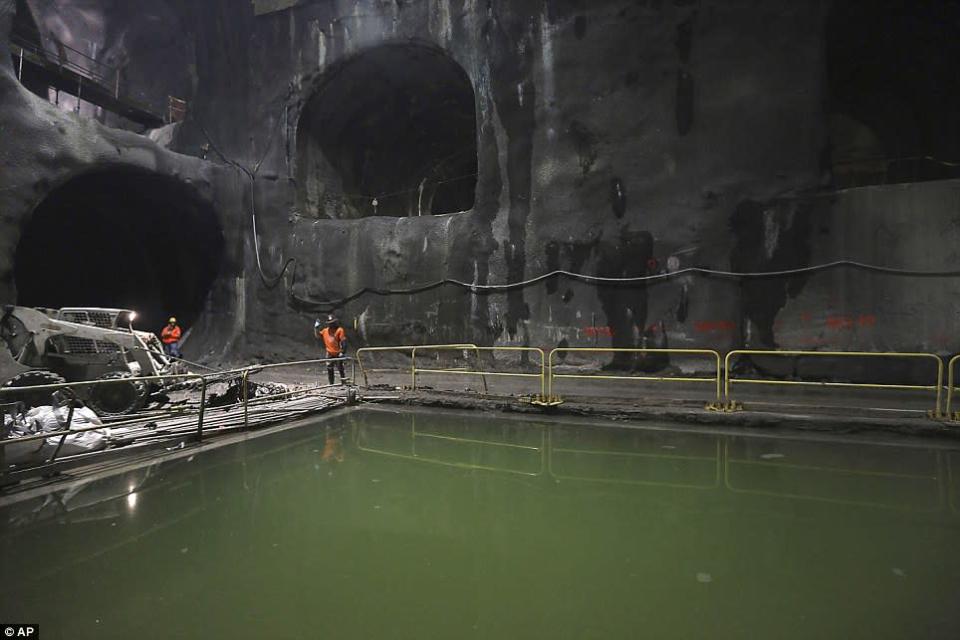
[(79, 442), (47, 419)]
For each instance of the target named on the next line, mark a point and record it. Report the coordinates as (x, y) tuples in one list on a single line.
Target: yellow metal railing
[(411, 349), (483, 373), (479, 370), (707, 353), (722, 371), (730, 380)]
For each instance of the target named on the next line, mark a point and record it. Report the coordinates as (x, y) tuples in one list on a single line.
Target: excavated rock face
[(383, 145), (144, 41), (395, 124), (611, 138), (97, 216)]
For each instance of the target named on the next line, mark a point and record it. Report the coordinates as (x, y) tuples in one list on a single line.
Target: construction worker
[(334, 340), (170, 337)]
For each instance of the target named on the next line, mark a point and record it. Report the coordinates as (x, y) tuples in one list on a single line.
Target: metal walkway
[(94, 82)]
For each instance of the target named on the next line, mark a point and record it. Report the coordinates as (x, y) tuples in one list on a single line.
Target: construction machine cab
[(78, 344)]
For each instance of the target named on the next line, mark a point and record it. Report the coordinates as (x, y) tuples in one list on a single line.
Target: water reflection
[(333, 445), (831, 471), (456, 443), (953, 480), (505, 528)]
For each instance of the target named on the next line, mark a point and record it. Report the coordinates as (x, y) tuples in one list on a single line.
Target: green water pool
[(402, 524)]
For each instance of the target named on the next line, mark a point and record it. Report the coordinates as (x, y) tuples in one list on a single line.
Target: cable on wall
[(317, 305), (324, 305)]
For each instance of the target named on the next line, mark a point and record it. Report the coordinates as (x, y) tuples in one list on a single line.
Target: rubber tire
[(32, 378), (117, 399)]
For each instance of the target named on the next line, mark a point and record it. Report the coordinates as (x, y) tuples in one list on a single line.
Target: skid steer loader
[(47, 346)]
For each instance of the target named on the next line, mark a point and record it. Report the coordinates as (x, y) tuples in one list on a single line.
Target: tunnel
[(389, 132), (892, 89), (122, 239)]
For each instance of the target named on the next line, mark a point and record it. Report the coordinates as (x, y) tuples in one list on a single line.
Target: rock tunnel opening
[(389, 132), (123, 239), (893, 94)]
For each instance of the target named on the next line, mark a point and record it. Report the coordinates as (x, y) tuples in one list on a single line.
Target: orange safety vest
[(169, 335), (333, 340)]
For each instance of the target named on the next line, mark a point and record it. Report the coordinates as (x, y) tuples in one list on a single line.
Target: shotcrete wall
[(614, 138)]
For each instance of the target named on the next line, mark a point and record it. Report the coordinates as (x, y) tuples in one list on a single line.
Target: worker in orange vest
[(170, 336), (334, 340)]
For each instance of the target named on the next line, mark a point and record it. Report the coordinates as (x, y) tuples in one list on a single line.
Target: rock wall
[(43, 149), (614, 138)]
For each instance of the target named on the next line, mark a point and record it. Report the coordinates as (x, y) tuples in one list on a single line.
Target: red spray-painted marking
[(593, 332), (714, 326), (849, 322), (839, 322)]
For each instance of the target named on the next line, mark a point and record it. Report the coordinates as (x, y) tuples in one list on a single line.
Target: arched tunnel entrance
[(389, 132), (121, 238)]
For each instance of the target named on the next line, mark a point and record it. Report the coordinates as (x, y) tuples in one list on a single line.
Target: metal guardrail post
[(366, 380), (20, 68), (950, 382), (483, 376), (543, 376), (413, 368), (728, 379), (246, 399), (203, 403), (63, 438)]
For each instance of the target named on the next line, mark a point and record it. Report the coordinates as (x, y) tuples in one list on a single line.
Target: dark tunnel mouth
[(389, 132), (891, 92), (125, 239)]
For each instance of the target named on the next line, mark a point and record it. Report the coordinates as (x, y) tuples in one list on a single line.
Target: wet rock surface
[(617, 139)]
